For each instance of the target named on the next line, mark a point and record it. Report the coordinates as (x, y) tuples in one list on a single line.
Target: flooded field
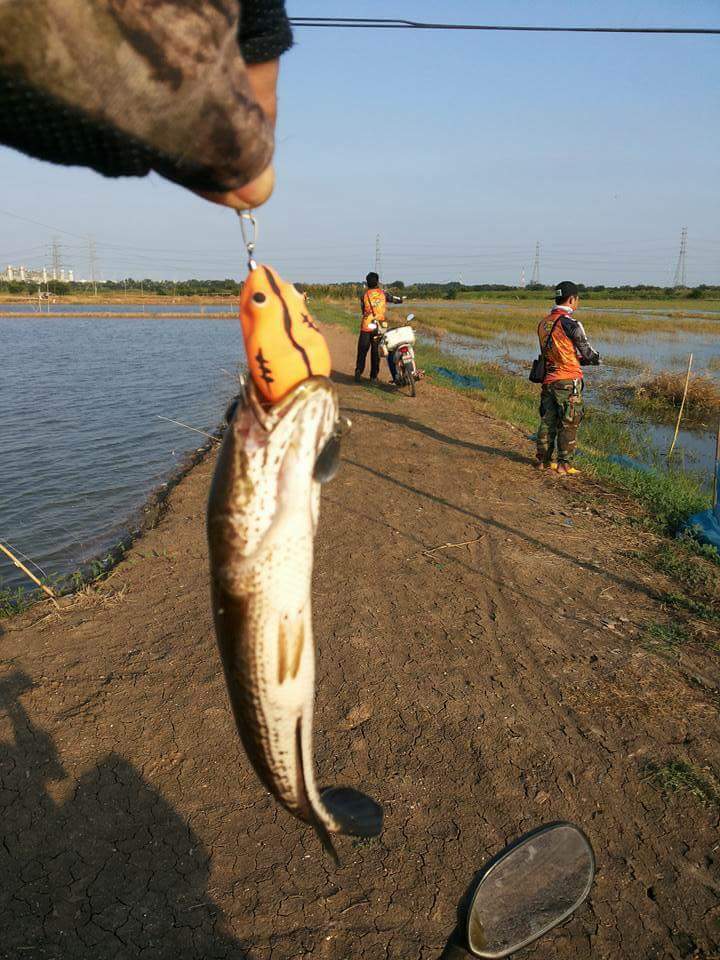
[(628, 356)]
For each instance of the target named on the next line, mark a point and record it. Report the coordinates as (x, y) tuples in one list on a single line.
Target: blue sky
[(460, 149)]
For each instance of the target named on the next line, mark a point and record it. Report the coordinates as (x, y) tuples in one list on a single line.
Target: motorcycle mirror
[(529, 888), (410, 317)]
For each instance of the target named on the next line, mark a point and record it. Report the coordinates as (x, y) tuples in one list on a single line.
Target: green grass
[(677, 777), (691, 565), (699, 609), (665, 637), (15, 601)]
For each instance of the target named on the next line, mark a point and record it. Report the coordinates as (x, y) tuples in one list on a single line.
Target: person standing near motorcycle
[(565, 348), (373, 324)]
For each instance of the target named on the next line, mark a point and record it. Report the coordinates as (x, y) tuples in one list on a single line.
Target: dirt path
[(477, 690)]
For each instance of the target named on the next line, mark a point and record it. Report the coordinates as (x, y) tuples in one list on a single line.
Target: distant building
[(41, 275)]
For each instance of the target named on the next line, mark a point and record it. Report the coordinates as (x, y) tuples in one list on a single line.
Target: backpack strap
[(550, 335)]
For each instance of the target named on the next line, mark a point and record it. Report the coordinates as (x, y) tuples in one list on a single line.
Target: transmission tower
[(535, 276), (92, 262), (378, 257), (680, 278), (56, 259)]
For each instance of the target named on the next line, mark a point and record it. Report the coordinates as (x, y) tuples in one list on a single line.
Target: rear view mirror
[(410, 317), (530, 888)]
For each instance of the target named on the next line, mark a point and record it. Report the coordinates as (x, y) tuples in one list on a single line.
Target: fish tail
[(305, 791), (337, 809)]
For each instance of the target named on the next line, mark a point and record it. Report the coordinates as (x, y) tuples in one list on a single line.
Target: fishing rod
[(382, 23)]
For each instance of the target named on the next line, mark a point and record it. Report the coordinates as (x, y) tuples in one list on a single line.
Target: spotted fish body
[(262, 518), (283, 343)]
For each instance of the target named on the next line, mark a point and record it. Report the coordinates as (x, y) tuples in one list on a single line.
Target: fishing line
[(379, 23)]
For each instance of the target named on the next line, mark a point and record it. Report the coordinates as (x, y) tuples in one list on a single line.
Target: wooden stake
[(682, 407), (25, 570)]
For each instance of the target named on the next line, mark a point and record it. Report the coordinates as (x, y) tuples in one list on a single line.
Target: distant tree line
[(351, 291)]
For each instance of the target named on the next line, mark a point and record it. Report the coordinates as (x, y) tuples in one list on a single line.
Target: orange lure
[(282, 341)]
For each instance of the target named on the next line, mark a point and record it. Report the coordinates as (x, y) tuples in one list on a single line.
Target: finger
[(252, 195)]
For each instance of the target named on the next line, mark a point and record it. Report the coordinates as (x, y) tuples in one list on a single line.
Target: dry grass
[(666, 389), (490, 321)]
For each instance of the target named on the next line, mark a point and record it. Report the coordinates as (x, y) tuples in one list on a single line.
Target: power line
[(380, 23)]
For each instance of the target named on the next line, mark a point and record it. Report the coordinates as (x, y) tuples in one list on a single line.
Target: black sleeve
[(264, 32), (391, 298), (576, 332)]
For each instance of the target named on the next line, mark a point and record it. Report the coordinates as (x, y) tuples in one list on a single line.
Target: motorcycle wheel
[(410, 379)]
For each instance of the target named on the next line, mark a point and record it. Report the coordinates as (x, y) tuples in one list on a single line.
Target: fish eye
[(259, 298)]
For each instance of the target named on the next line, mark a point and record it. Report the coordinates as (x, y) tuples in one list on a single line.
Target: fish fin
[(357, 814), (291, 641), (328, 461), (302, 792)]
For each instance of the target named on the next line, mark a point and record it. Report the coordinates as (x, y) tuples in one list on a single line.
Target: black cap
[(564, 290), (372, 279)]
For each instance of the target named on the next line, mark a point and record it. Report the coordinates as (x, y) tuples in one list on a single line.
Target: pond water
[(81, 443), (92, 309)]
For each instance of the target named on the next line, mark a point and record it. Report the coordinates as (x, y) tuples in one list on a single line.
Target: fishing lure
[(283, 344)]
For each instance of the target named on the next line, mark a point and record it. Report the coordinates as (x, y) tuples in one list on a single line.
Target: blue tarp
[(622, 460), (460, 379), (706, 527)]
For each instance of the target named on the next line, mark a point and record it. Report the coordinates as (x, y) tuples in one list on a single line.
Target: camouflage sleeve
[(576, 332), (130, 86)]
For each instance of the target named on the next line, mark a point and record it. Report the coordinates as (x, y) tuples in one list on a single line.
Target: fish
[(261, 523)]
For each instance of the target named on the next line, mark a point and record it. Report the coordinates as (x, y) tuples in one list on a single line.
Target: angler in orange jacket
[(373, 324), (565, 349)]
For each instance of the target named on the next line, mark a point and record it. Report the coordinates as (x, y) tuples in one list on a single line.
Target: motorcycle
[(398, 344)]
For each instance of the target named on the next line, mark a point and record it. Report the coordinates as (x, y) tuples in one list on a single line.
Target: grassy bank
[(667, 498)]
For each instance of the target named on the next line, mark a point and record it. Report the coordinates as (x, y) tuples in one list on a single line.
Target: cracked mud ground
[(477, 691)]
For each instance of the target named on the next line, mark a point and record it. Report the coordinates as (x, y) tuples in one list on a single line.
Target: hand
[(263, 79)]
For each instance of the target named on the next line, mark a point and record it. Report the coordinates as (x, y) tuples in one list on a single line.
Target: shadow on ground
[(337, 376), (112, 872), (506, 528), (419, 427)]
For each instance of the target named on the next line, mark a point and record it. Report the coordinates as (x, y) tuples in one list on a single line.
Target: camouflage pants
[(561, 410)]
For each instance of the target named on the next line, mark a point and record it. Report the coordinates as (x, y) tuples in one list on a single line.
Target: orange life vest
[(374, 307), (561, 360)]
